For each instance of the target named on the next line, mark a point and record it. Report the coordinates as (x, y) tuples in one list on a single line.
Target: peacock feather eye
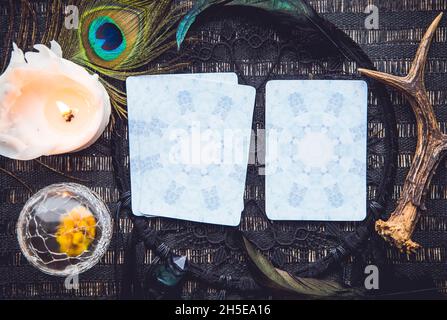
[(109, 35), (106, 38)]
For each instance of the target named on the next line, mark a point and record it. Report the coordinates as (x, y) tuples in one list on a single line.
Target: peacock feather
[(115, 38)]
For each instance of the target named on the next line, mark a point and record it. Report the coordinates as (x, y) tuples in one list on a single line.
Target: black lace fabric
[(258, 48)]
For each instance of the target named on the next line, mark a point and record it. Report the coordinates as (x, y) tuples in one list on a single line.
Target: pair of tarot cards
[(190, 137)]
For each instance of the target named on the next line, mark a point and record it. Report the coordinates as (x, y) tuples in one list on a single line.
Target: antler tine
[(416, 75), (400, 83), (417, 70)]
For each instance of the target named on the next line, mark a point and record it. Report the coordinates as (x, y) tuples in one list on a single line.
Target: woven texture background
[(392, 47)]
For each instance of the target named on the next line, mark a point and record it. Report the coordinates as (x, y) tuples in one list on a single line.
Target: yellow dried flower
[(76, 231)]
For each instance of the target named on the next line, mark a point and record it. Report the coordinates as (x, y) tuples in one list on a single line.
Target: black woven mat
[(391, 48)]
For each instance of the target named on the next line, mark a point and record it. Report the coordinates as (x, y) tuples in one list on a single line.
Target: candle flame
[(63, 108)]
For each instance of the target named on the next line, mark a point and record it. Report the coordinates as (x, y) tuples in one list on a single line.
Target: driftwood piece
[(431, 145)]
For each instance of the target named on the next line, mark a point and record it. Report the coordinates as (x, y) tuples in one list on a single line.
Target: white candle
[(49, 105)]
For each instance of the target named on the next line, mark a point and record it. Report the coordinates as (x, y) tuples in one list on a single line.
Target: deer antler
[(431, 144)]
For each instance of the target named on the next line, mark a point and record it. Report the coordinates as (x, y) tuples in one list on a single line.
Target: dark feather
[(288, 12)]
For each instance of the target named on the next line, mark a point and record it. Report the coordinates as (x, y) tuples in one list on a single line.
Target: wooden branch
[(431, 145)]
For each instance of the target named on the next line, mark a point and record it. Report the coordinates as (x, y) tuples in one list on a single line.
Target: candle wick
[(68, 116)]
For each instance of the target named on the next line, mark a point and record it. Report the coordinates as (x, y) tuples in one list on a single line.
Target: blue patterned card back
[(316, 155), (141, 128)]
